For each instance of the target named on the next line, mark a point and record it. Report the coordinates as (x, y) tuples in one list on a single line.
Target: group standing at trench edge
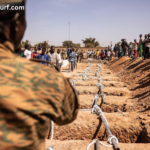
[(132, 50), (71, 54), (41, 54), (135, 49)]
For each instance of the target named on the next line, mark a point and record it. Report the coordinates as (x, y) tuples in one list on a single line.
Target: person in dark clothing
[(71, 60), (116, 50), (77, 55), (81, 56), (106, 53), (68, 52), (63, 54), (125, 47), (130, 49), (102, 55), (19, 52), (145, 50)]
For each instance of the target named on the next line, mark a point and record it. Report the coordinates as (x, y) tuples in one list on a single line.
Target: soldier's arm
[(63, 103)]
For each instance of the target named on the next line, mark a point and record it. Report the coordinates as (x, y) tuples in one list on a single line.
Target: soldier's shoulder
[(30, 68)]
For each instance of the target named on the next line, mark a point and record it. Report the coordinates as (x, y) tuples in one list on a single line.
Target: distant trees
[(71, 44), (90, 42), (24, 43), (77, 45), (67, 43), (42, 44), (89, 45)]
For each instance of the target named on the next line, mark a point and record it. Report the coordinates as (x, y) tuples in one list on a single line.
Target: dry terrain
[(127, 88)]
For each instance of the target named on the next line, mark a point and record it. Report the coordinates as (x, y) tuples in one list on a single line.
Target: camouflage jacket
[(30, 95)]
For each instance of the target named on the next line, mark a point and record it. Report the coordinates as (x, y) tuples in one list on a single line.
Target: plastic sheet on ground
[(65, 63)]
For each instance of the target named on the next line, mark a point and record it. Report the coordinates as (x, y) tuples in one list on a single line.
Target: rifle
[(44, 61)]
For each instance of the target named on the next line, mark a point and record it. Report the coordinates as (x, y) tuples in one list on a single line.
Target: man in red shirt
[(35, 55)]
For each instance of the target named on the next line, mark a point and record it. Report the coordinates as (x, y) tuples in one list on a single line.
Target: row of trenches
[(127, 128)]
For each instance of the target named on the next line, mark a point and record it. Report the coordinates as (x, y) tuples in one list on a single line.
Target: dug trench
[(133, 127)]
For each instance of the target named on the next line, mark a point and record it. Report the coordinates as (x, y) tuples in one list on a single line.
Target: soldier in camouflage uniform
[(30, 94)]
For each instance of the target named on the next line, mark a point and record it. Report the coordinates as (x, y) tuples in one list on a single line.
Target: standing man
[(35, 55), (34, 93), (75, 60), (44, 56), (66, 55), (71, 60), (84, 55), (80, 56), (130, 49), (102, 55), (68, 52), (27, 52), (125, 47), (145, 54), (59, 58), (105, 53), (53, 56), (122, 50), (97, 54), (39, 50), (135, 48), (109, 55), (148, 46), (63, 54), (88, 53), (140, 47), (19, 52), (116, 50), (94, 55), (77, 55)]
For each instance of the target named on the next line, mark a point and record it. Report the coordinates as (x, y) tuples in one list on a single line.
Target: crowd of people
[(74, 56), (71, 54), (133, 50), (42, 54)]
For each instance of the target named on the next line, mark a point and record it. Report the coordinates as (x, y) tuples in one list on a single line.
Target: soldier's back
[(30, 95)]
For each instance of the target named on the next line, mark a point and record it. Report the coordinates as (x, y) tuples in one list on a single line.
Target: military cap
[(11, 1)]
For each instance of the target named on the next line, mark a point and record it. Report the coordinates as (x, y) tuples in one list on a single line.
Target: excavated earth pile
[(126, 107)]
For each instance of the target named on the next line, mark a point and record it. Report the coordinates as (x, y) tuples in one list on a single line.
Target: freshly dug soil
[(127, 88)]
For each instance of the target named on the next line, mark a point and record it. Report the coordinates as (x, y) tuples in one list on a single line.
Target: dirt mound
[(126, 88), (136, 75)]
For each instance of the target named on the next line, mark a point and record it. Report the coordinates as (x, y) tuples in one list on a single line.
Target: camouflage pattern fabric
[(30, 95)]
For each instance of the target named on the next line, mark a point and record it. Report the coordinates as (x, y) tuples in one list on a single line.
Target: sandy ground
[(133, 127), (82, 145)]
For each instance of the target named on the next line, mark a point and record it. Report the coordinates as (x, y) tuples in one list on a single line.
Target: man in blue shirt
[(71, 60), (116, 50), (68, 52), (43, 56)]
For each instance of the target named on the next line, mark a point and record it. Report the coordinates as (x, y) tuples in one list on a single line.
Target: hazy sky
[(106, 20)]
